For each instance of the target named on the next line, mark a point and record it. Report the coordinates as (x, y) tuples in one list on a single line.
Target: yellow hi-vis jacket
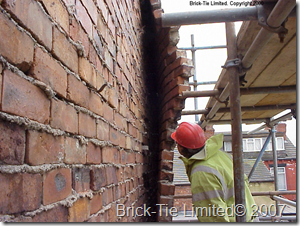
[(210, 172)]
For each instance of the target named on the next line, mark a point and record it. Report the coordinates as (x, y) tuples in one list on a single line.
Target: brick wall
[(74, 125), (174, 70)]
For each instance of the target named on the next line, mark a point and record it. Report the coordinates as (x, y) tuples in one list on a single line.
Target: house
[(286, 155), (262, 179)]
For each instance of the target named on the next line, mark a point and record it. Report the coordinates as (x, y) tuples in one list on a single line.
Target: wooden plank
[(280, 69), (270, 51), (291, 80)]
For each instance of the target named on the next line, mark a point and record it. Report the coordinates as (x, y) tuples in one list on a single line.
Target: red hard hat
[(189, 135)]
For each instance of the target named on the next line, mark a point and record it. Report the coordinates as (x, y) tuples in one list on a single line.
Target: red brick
[(131, 157), (166, 165), (22, 98), (98, 178), (110, 155), (75, 153), (108, 112), (43, 148), (57, 214), (107, 196), (87, 72), (95, 104), (87, 125), (128, 144), (93, 154), (167, 155), (84, 18), (81, 179), (114, 136), (58, 13), (16, 46), (33, 17), (139, 158), (78, 35), (96, 203), (47, 70), (64, 117), (80, 211), (65, 50), (92, 9), (57, 185), (102, 130), (99, 78), (78, 92), (164, 175), (111, 175), (166, 189), (12, 144), (20, 192)]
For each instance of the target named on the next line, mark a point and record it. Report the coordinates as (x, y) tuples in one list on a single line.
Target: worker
[(210, 172)]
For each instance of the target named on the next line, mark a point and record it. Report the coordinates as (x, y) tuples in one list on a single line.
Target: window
[(227, 146), (281, 178), (256, 144)]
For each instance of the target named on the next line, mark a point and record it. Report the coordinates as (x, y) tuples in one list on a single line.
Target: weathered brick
[(84, 18), (57, 185), (110, 155), (87, 125), (107, 196), (120, 121), (93, 154), (167, 155), (95, 104), (98, 178), (65, 50), (78, 35), (12, 144), (102, 130), (96, 203), (166, 189), (77, 92), (75, 153), (16, 46), (20, 192), (58, 12), (22, 98), (164, 175), (43, 148), (49, 71), (87, 72), (81, 179), (80, 211), (57, 214), (30, 13), (111, 175), (64, 116), (108, 112), (91, 9), (114, 136)]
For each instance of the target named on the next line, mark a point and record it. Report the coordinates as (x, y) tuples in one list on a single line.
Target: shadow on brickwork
[(150, 66)]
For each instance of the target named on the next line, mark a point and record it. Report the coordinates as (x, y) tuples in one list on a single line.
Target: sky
[(209, 62)]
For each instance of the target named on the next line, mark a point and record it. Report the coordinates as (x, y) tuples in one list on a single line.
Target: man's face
[(179, 147)]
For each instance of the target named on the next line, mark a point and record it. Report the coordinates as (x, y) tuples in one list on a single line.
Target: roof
[(261, 173), (274, 67)]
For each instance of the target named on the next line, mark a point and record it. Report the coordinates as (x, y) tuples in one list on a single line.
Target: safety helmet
[(189, 135)]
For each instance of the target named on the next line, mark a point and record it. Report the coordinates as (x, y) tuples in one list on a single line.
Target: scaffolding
[(271, 18)]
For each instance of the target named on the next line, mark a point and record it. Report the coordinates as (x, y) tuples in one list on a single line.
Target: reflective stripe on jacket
[(210, 172)]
